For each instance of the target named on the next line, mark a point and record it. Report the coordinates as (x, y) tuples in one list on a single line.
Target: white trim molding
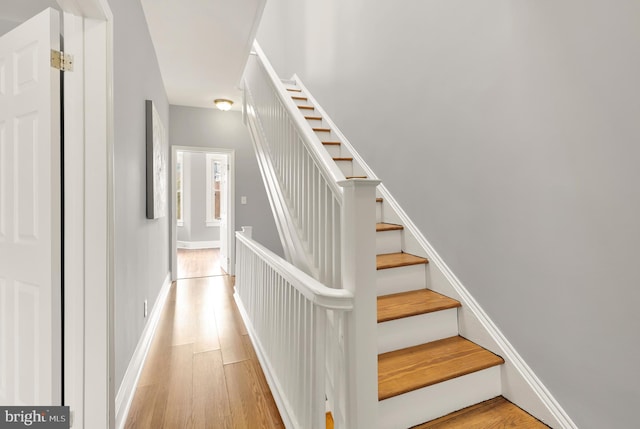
[(230, 234), (132, 375), (89, 228), (215, 244)]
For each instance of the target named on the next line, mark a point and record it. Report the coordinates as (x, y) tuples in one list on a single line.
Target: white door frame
[(89, 214), (231, 208)]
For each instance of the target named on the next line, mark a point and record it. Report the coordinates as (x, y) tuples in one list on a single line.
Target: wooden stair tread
[(294, 90), (313, 118), (494, 413), (297, 97), (381, 227), (331, 143), (413, 368), (394, 260), (342, 159), (355, 177), (412, 303), (306, 107), (322, 129), (378, 200)]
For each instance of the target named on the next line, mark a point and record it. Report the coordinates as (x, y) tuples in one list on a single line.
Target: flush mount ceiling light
[(223, 104)]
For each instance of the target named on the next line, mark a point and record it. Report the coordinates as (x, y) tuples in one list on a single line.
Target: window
[(215, 166), (179, 188)]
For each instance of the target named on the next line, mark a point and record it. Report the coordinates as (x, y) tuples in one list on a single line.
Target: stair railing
[(327, 227), (288, 311), (305, 172)]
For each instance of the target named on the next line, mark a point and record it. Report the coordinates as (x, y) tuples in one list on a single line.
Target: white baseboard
[(132, 375), (198, 244)]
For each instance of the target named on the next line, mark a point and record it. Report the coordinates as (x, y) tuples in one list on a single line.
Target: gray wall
[(142, 245), (192, 126), (194, 207), (14, 12), (6, 26), (512, 142)]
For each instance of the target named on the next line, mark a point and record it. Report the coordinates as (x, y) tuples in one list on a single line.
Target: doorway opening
[(202, 212)]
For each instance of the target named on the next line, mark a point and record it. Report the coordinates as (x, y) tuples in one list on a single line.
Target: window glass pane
[(216, 188)]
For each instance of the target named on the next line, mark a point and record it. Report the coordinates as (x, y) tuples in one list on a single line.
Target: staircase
[(426, 371), (439, 360)]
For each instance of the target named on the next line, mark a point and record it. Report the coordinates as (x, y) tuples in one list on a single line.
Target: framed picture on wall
[(156, 164)]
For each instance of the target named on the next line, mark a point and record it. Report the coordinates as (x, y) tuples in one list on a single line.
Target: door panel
[(30, 219)]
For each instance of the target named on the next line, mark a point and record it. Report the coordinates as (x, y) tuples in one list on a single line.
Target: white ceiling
[(202, 46)]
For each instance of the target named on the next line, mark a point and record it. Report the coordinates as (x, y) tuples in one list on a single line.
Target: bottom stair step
[(413, 368), (494, 413)]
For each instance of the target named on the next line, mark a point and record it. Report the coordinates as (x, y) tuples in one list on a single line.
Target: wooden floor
[(193, 263), (202, 371)]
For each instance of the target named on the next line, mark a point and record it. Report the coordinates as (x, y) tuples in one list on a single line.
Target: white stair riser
[(346, 167), (301, 102), (334, 150), (357, 169), (411, 331), (307, 112), (325, 135), (401, 279), (379, 212), (428, 403), (388, 241), (313, 123)]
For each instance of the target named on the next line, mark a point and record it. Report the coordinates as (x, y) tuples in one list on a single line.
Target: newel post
[(247, 231), (359, 276)]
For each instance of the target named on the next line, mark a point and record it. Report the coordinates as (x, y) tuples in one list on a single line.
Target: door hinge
[(61, 61)]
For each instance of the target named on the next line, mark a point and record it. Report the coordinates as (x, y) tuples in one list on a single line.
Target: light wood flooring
[(202, 371), (193, 263)]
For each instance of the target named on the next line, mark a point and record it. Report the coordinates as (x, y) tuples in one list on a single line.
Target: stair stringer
[(294, 249), (519, 383)]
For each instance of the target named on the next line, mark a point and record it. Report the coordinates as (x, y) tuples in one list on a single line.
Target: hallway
[(202, 371)]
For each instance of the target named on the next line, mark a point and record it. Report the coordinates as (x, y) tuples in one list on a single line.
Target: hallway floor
[(202, 371), (194, 263)]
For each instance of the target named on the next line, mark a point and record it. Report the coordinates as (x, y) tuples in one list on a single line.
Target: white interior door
[(224, 214), (30, 218)]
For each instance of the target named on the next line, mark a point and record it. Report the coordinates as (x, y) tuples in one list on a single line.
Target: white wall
[(192, 126), (511, 138), (194, 213)]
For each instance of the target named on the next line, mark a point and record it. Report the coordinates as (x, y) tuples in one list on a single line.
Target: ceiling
[(202, 46)]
